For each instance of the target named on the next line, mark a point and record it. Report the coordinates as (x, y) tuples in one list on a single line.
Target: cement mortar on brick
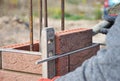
[(16, 76), (70, 40)]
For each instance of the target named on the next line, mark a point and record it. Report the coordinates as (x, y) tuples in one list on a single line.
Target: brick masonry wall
[(21, 62), (66, 41), (78, 58), (24, 46), (70, 40), (16, 76)]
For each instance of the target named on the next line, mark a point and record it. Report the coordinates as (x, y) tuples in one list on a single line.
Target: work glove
[(45, 79)]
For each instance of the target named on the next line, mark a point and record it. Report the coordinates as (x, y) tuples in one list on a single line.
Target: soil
[(14, 30)]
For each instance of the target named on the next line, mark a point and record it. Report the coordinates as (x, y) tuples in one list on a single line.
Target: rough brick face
[(16, 76), (73, 39), (78, 58), (65, 41), (21, 62), (0, 60), (24, 46), (62, 66), (70, 40)]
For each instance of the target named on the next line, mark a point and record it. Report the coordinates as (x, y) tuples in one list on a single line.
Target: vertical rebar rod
[(40, 9), (41, 24), (31, 26), (62, 14), (45, 12)]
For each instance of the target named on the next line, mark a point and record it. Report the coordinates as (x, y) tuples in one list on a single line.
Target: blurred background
[(14, 17), (75, 9)]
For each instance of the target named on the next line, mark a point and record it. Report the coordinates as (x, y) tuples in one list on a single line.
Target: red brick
[(24, 46), (73, 39), (78, 58), (66, 41), (70, 40), (16, 76), (0, 61), (62, 66), (21, 62)]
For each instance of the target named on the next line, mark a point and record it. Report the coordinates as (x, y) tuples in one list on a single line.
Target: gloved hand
[(45, 79)]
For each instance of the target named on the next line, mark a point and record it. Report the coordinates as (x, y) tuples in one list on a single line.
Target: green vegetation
[(56, 13), (97, 12), (72, 17), (75, 9), (77, 1), (73, 1)]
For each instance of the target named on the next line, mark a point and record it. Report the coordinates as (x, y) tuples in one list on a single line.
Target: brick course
[(78, 58), (66, 41), (24, 46), (0, 60), (21, 62), (16, 76), (70, 40)]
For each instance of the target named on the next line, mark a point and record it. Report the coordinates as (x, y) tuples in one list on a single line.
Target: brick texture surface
[(21, 62), (15, 76), (78, 58), (70, 40), (73, 39), (24, 46), (66, 41), (0, 60)]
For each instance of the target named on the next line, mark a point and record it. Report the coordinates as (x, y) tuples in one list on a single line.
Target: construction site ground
[(14, 30)]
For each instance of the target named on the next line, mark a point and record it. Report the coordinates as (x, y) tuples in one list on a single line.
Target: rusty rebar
[(40, 12), (31, 26), (45, 12), (41, 24), (62, 15)]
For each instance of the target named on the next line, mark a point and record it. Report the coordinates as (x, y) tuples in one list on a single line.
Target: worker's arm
[(105, 66)]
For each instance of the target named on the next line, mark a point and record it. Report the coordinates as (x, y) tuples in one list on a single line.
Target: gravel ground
[(14, 30)]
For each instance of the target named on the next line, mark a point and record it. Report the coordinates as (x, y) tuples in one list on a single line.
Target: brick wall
[(71, 40), (21, 62), (16, 66), (78, 58), (24, 46), (17, 76)]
